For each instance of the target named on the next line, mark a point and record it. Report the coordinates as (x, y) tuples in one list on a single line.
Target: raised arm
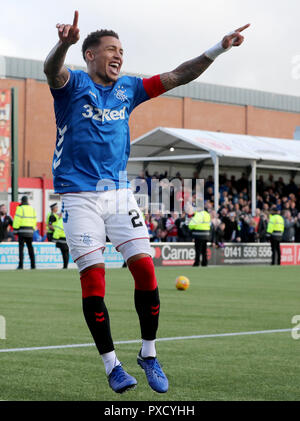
[(57, 74), (192, 69)]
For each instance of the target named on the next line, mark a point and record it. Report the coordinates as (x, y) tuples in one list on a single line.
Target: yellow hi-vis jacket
[(25, 220), (59, 233), (200, 221), (47, 220), (275, 225)]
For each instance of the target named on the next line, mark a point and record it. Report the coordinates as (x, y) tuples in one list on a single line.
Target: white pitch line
[(135, 341)]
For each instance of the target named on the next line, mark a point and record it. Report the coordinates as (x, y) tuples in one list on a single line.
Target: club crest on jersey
[(120, 93)]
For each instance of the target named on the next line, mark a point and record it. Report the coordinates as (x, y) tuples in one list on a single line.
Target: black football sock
[(147, 305), (97, 319)]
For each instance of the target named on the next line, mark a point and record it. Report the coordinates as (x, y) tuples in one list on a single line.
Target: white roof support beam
[(253, 187), (215, 159), (169, 158), (276, 167)]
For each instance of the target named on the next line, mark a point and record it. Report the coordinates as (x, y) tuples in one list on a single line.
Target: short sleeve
[(146, 89), (70, 85), (140, 95), (52, 219)]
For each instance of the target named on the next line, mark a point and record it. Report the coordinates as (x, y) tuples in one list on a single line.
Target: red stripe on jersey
[(153, 86)]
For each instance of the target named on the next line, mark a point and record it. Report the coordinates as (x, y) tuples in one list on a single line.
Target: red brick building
[(195, 106)]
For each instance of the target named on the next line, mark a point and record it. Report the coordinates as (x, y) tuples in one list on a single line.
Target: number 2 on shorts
[(136, 216)]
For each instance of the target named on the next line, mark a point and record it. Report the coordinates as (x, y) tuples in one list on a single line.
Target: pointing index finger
[(75, 20), (242, 28)]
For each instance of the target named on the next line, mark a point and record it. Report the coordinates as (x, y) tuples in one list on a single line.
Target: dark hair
[(93, 39)]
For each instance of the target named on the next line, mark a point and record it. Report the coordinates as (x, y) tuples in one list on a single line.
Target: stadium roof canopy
[(193, 146)]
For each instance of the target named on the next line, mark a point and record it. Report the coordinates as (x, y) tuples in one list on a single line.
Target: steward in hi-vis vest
[(24, 225), (275, 231), (59, 237), (51, 217), (200, 224)]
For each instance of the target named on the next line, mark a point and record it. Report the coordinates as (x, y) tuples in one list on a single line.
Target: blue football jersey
[(93, 141)]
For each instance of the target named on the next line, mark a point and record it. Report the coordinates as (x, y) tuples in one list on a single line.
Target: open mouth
[(114, 67)]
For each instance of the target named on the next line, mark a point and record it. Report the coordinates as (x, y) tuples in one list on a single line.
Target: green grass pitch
[(43, 308)]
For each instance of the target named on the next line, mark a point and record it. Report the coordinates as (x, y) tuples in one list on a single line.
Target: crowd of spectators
[(233, 222)]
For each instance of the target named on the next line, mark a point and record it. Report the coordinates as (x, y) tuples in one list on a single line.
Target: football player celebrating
[(89, 168)]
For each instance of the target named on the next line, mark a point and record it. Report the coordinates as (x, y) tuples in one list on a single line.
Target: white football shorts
[(89, 217)]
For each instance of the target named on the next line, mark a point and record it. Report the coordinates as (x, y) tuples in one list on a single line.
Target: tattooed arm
[(192, 69), (57, 74), (186, 72)]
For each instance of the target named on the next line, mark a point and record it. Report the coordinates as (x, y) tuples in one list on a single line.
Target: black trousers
[(49, 236), (201, 250), (65, 252), (28, 241), (276, 254)]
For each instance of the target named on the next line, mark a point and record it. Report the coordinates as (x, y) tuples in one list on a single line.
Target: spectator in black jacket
[(219, 235), (297, 228), (5, 222), (262, 228), (289, 227), (231, 227), (184, 233)]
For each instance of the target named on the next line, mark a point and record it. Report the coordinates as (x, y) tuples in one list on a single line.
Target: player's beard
[(107, 78)]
